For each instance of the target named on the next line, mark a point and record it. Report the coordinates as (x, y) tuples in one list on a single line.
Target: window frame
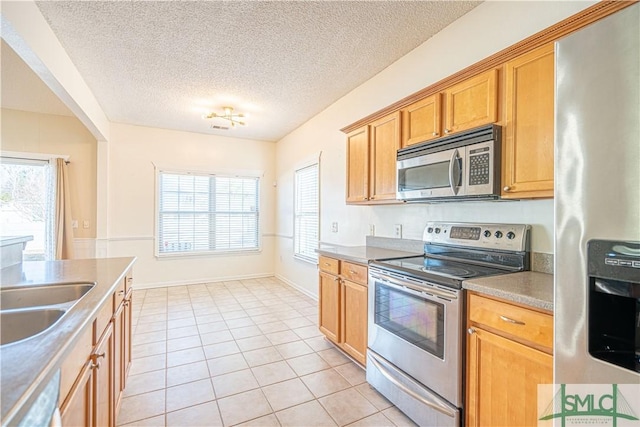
[(297, 255), (208, 253)]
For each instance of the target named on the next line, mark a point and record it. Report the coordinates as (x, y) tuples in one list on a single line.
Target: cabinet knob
[(337, 279), (471, 331), (435, 134), (447, 131), (365, 198), (120, 292), (507, 188), (352, 272)]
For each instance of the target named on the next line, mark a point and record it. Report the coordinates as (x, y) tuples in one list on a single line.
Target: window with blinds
[(307, 213), (206, 213)]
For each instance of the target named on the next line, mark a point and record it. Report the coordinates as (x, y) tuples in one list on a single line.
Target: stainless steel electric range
[(416, 315)]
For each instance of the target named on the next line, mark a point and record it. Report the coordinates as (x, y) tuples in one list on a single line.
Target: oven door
[(431, 175), (416, 326)]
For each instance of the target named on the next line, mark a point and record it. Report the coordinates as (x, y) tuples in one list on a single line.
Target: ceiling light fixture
[(228, 115)]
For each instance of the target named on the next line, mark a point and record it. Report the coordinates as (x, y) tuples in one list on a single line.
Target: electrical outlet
[(372, 230), (74, 223), (334, 227), (85, 224), (397, 230)]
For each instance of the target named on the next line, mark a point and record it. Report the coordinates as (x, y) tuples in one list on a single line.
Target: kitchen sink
[(17, 325), (34, 296)]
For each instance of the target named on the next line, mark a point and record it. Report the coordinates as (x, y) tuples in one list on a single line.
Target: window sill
[(184, 255)]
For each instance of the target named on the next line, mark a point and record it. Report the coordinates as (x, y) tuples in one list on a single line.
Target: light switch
[(85, 224), (74, 223)]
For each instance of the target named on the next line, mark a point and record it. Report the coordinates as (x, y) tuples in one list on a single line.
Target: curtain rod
[(32, 159)]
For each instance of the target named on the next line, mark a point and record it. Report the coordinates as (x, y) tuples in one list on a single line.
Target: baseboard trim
[(297, 287), (200, 281)]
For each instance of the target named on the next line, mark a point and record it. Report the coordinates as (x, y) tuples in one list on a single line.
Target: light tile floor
[(242, 353)]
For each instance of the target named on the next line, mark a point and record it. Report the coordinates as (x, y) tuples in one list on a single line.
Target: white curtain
[(63, 224)]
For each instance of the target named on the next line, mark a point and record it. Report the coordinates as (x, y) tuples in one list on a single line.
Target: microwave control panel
[(479, 167)]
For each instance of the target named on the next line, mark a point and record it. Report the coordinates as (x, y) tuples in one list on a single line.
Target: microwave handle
[(454, 171)]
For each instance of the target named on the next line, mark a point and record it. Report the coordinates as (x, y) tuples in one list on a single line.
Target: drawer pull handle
[(327, 264), (515, 322), (352, 272)]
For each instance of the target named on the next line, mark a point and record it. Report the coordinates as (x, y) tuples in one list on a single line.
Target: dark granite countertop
[(528, 288), (26, 366)]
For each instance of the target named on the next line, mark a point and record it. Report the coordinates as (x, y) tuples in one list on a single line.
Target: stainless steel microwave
[(457, 167)]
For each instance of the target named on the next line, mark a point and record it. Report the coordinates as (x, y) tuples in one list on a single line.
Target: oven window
[(410, 317), (435, 175)]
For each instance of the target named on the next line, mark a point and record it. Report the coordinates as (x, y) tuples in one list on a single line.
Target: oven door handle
[(454, 171), (401, 285), (440, 407)]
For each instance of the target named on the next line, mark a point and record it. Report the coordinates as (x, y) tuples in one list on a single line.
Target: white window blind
[(200, 213), (307, 213)]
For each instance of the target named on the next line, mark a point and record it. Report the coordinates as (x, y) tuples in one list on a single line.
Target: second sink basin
[(33, 296), (22, 324)]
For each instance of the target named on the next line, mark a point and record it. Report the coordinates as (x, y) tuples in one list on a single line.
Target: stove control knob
[(511, 235), (487, 233), (498, 234), (437, 231), (430, 230)]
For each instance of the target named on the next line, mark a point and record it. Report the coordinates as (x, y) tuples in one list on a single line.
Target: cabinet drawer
[(354, 272), (519, 322), (330, 265)]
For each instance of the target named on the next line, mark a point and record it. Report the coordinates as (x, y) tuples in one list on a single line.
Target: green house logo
[(589, 408)]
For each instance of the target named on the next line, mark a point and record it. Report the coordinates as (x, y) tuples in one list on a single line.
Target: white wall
[(133, 151), (485, 30)]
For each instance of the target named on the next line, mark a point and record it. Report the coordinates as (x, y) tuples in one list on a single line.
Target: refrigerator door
[(597, 176)]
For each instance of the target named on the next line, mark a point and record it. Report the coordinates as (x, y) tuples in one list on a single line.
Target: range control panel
[(507, 237)]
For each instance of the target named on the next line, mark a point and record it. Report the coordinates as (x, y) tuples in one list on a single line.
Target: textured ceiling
[(164, 64)]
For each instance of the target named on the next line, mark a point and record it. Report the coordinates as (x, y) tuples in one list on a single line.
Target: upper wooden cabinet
[(472, 102), (527, 170), (421, 121), (371, 161), (468, 104), (384, 136)]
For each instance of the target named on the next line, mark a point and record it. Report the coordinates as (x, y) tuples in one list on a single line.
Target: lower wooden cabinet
[(343, 305), (505, 365), (103, 373), (77, 407), (94, 374), (354, 319), (329, 310)]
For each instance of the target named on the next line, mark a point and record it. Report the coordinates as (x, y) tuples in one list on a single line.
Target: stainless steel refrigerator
[(597, 189)]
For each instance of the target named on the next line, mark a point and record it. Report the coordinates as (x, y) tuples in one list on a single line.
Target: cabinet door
[(421, 120), (502, 380), (358, 165), (329, 310), (384, 145), (471, 103), (128, 329), (354, 320), (529, 117), (118, 354), (103, 396), (76, 410)]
